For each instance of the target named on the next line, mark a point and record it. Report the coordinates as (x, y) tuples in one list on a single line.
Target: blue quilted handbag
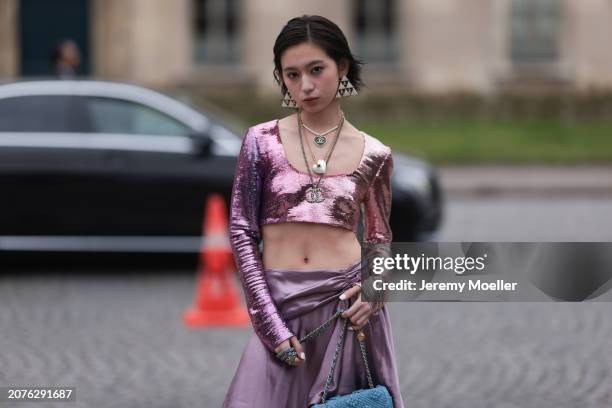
[(377, 397), (373, 397)]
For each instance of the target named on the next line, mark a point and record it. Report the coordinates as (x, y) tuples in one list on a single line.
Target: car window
[(43, 113), (111, 115)]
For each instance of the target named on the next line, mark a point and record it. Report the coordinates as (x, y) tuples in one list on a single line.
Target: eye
[(317, 69), (291, 75)]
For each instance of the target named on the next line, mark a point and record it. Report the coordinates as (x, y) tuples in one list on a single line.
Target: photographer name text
[(471, 285)]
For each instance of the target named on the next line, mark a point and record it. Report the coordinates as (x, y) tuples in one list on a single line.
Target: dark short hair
[(323, 33)]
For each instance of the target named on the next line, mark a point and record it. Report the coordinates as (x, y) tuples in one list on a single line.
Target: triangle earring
[(288, 101), (345, 88)]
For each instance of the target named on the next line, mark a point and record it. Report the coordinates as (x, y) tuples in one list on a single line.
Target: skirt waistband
[(296, 292)]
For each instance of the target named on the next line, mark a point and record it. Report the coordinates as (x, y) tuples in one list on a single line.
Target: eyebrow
[(307, 65)]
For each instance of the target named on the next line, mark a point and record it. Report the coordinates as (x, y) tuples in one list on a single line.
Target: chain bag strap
[(372, 397), (339, 346)]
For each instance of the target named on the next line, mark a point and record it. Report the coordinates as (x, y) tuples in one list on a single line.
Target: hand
[(359, 312), (295, 343)]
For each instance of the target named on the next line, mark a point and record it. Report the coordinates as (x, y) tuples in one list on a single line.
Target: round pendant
[(314, 194), (320, 141), (319, 167)]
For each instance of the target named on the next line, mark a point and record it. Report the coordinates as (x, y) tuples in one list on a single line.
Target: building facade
[(425, 46)]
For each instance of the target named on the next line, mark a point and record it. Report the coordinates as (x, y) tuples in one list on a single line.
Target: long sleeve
[(377, 205), (245, 237), (377, 228)]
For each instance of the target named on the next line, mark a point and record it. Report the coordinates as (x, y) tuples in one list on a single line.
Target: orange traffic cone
[(216, 302)]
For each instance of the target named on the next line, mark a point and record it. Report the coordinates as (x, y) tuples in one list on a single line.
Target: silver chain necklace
[(320, 138), (314, 193), (320, 165)]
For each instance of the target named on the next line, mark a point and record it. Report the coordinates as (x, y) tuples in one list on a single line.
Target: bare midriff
[(306, 245)]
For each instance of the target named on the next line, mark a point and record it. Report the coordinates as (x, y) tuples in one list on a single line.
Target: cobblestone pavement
[(121, 342)]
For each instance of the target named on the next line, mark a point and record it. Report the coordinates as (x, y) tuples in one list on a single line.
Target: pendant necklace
[(319, 166), (320, 138), (314, 194)]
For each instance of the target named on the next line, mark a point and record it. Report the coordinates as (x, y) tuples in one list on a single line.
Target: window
[(43, 113), (535, 27), (375, 30), (118, 116), (216, 31)]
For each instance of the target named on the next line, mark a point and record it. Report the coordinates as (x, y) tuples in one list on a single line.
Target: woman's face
[(311, 76), (70, 53)]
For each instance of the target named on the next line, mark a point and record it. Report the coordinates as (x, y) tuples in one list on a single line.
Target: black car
[(94, 166)]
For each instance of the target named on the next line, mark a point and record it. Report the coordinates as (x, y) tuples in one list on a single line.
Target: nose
[(307, 85)]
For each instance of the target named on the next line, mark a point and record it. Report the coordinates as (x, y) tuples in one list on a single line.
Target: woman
[(66, 59), (299, 185)]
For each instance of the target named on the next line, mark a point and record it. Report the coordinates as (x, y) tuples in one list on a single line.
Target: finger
[(295, 362), (298, 348), (363, 321), (362, 312), (359, 325), (349, 293), (348, 313), (355, 306), (282, 346)]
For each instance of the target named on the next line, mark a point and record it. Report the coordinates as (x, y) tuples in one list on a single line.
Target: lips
[(310, 99)]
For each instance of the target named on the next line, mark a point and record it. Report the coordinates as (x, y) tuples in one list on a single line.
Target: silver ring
[(287, 355)]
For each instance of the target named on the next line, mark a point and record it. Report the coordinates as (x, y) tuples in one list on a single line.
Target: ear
[(279, 78), (343, 67)]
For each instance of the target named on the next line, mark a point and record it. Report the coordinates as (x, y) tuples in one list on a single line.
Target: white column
[(586, 32), (9, 27), (148, 41), (448, 45)]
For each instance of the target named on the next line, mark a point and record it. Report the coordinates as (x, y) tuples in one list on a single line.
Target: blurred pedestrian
[(65, 59), (304, 204)]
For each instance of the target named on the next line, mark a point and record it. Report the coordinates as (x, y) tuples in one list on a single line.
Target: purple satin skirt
[(305, 299)]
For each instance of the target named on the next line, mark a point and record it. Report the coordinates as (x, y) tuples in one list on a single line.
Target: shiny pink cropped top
[(268, 189)]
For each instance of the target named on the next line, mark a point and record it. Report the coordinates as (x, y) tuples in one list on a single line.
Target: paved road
[(121, 342), (528, 219), (527, 180)]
